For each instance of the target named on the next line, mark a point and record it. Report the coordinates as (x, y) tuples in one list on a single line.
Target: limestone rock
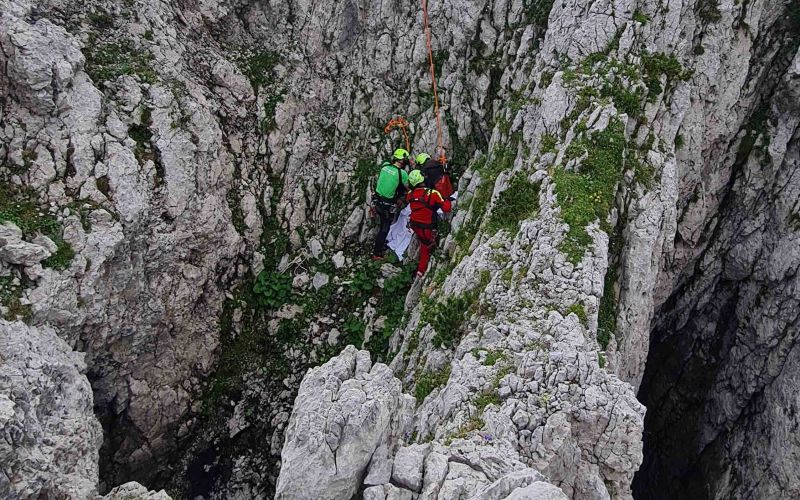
[(23, 253), (51, 438), (343, 412), (134, 491), (407, 470)]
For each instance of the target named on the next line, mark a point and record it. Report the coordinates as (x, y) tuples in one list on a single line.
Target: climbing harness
[(421, 203), (439, 135)]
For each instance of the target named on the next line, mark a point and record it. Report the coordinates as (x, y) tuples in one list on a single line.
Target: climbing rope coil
[(401, 122)]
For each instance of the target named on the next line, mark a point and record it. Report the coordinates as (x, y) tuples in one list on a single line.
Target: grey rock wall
[(160, 154), (50, 436)]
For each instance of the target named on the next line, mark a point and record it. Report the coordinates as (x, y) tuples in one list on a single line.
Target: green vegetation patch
[(708, 11), (588, 194), (391, 304), (21, 206), (640, 17), (492, 356), (10, 296), (487, 398), (429, 381), (259, 67), (272, 289), (501, 159), (579, 311), (520, 201), (658, 64), (607, 316), (109, 61), (448, 317), (537, 11)]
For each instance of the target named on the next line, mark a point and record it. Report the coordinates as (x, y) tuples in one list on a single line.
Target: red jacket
[(424, 204)]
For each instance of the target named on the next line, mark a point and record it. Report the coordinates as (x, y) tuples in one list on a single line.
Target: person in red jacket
[(425, 203)]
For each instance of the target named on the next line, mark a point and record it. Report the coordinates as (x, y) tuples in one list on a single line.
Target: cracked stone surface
[(50, 435), (173, 171), (345, 410)]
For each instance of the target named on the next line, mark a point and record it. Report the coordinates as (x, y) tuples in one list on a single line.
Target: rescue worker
[(421, 159), (389, 193), (425, 202), (435, 174)]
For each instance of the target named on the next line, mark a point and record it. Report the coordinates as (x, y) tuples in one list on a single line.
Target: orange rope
[(402, 124), (442, 157)]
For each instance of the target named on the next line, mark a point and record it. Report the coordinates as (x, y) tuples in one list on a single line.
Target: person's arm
[(439, 202)]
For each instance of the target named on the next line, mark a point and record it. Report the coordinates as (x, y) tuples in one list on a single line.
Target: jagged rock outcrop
[(724, 350), (627, 197), (349, 420), (348, 414), (129, 175), (134, 491), (50, 436)]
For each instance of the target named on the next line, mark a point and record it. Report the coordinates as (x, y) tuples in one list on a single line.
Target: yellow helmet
[(422, 158), (401, 154), (415, 178)]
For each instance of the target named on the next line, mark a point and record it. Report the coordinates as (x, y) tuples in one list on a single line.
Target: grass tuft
[(588, 194)]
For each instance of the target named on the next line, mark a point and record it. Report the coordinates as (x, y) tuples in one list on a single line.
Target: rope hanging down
[(439, 136), (402, 124)]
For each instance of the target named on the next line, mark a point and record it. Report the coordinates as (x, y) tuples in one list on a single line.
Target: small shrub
[(544, 399), (601, 360), (538, 11), (587, 195), (518, 202), (548, 144), (62, 258), (354, 331), (708, 11), (492, 357), (429, 381), (447, 318), (545, 79), (259, 68), (487, 398), (658, 64), (640, 17), (272, 290), (579, 311)]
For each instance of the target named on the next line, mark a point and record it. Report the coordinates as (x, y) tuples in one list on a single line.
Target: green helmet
[(422, 158), (415, 178), (401, 154)]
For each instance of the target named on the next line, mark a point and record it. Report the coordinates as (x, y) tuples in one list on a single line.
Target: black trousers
[(385, 213)]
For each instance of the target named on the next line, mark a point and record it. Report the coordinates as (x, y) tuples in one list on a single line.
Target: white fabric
[(400, 234)]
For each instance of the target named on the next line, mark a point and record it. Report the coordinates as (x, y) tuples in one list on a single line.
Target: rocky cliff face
[(184, 189)]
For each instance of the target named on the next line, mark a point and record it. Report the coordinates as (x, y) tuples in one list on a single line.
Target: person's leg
[(427, 242), (385, 217)]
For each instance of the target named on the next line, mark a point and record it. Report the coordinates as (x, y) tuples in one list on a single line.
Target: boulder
[(344, 411)]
